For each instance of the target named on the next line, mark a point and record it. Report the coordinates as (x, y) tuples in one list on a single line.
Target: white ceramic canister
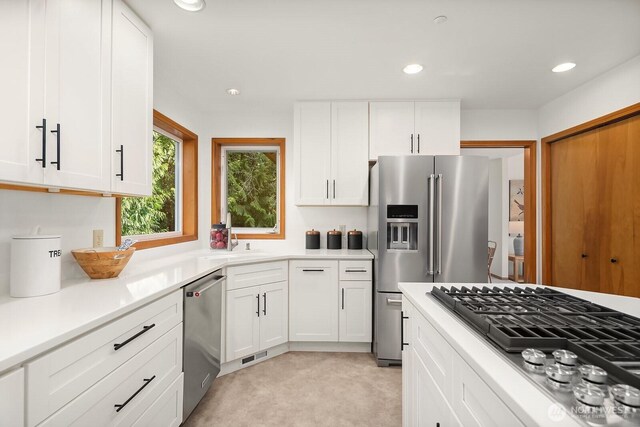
[(35, 265)]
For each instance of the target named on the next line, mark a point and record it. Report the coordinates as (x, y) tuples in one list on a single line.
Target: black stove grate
[(546, 319)]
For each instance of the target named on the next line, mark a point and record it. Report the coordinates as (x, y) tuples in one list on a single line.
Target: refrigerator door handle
[(439, 235), (431, 227)]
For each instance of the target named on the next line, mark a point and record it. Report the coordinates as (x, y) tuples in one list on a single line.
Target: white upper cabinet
[(22, 89), (437, 127), (78, 63), (405, 128), (132, 103), (349, 151), (391, 129), (331, 146)]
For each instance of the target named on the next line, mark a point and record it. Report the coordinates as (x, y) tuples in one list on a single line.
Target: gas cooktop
[(586, 356)]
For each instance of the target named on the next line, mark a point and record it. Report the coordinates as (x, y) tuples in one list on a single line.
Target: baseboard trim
[(334, 347), (237, 364), (499, 277)]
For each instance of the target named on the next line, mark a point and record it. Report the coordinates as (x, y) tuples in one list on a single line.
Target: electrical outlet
[(98, 238)]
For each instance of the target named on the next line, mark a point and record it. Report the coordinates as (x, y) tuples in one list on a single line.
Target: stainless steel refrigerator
[(428, 222)]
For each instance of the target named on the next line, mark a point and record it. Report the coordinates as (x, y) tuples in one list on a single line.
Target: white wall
[(496, 217), (498, 125)]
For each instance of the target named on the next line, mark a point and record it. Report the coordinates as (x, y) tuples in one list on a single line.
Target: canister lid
[(36, 236), (335, 232), (313, 232), (355, 233)]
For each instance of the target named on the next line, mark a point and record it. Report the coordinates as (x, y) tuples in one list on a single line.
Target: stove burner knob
[(589, 394), (534, 356), (627, 395), (565, 357), (593, 374), (559, 374)]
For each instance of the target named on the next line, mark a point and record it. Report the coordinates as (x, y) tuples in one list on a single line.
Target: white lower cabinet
[(166, 411), (12, 398), (256, 319), (439, 388), (355, 311)]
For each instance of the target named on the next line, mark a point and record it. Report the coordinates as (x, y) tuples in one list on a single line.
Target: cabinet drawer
[(59, 376), (12, 400), (166, 411), (136, 385), (434, 351), (244, 276), (474, 402), (355, 270)]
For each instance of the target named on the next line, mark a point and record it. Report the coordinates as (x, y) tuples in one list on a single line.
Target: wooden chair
[(492, 251)]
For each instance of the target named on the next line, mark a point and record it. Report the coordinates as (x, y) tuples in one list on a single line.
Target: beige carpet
[(305, 389)]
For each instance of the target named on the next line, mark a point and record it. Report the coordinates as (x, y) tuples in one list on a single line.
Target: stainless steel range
[(585, 356)]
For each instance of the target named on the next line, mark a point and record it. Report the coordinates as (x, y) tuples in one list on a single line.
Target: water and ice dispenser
[(402, 227)]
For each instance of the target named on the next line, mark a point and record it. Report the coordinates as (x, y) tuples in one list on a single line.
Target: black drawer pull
[(355, 271), (144, 329), (43, 159), (313, 269), (147, 381)]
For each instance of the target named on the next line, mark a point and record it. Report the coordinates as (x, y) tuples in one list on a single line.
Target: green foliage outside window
[(156, 213), (252, 188)]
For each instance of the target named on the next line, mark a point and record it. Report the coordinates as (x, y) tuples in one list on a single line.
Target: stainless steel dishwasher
[(202, 337)]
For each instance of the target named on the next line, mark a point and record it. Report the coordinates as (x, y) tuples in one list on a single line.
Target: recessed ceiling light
[(440, 19), (563, 67), (190, 5), (412, 68), (233, 91)]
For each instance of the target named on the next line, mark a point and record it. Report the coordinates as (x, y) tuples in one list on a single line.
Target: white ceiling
[(490, 53)]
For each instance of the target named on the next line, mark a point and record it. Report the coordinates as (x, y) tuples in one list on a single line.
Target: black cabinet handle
[(334, 188), (147, 381), (44, 143), (411, 143), (327, 189), (418, 143), (355, 271), (258, 298), (343, 298), (57, 132), (614, 260), (264, 310), (313, 269), (121, 151), (144, 329), (402, 343)]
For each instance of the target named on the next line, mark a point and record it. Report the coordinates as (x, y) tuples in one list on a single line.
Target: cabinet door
[(243, 322), (429, 406), (313, 301), (132, 103), (312, 133), (274, 318), (349, 153), (12, 402), (22, 24), (391, 129), (437, 127), (355, 311), (77, 83), (407, 365)]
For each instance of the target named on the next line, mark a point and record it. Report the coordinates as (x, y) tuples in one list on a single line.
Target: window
[(248, 183), (169, 215)]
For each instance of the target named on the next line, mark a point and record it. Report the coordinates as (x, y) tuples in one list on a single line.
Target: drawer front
[(355, 270), (244, 276), (474, 403), (59, 376), (12, 399), (434, 351), (166, 411), (136, 385)]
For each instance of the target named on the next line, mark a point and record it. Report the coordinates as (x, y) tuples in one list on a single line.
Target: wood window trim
[(530, 218), (607, 119), (217, 145), (189, 187)]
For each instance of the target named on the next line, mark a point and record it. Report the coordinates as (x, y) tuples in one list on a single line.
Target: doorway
[(512, 190)]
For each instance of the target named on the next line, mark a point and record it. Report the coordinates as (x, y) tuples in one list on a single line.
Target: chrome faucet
[(232, 244)]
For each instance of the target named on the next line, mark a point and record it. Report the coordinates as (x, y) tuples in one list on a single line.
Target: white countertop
[(520, 394), (30, 326)]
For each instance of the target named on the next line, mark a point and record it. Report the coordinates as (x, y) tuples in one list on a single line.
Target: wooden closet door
[(574, 216), (619, 211)]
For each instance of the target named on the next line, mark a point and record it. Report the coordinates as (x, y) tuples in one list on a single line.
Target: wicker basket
[(102, 263)]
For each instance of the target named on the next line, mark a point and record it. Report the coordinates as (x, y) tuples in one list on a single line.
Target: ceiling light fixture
[(440, 19), (563, 67), (412, 68), (233, 91), (190, 5)]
